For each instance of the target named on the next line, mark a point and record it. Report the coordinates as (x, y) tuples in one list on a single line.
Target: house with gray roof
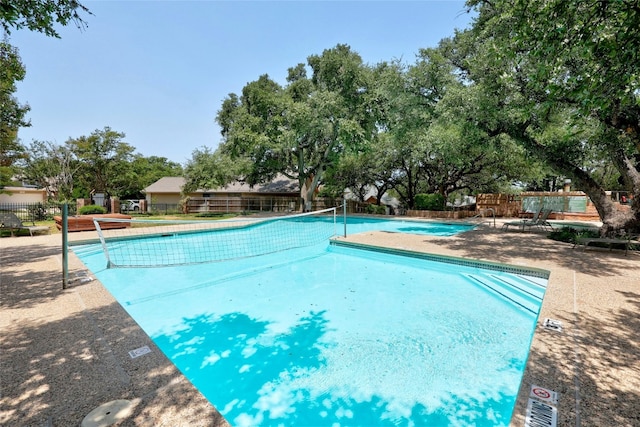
[(281, 193)]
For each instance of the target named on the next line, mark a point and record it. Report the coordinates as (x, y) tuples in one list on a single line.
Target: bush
[(211, 215), (430, 202), (375, 209), (569, 234), (91, 210), (37, 212)]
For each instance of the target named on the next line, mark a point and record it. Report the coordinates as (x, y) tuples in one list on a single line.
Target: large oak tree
[(563, 79), (301, 129)]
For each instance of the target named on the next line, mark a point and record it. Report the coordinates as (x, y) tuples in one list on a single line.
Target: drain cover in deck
[(108, 414)]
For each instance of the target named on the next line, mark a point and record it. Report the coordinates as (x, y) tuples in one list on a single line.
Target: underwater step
[(522, 284), (513, 292)]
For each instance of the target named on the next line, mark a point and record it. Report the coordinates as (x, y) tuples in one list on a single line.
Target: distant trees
[(388, 127), (53, 168), (12, 113), (428, 141), (100, 162), (105, 158)]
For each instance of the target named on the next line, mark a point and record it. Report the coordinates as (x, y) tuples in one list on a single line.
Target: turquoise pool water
[(356, 224), (328, 335)]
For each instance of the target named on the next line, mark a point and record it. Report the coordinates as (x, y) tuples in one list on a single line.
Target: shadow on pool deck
[(65, 352)]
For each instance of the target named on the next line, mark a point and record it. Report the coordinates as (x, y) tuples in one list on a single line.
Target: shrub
[(211, 215), (375, 209), (37, 212), (430, 202), (91, 209), (569, 234)]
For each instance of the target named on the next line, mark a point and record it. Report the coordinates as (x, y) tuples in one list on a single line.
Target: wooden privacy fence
[(509, 205), (501, 204)]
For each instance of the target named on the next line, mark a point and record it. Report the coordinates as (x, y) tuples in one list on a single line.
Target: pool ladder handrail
[(493, 214)]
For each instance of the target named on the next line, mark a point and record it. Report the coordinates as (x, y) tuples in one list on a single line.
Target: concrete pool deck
[(65, 352)]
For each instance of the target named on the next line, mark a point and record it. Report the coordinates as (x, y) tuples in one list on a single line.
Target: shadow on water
[(255, 376)]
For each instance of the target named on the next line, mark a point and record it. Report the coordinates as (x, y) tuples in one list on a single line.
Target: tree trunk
[(308, 190)]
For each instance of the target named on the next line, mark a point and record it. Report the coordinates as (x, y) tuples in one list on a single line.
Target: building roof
[(167, 184), (174, 184), (372, 195), (23, 190)]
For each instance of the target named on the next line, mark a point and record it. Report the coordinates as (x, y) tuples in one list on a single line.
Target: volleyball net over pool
[(159, 243)]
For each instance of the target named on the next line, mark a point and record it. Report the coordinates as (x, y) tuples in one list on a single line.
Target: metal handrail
[(493, 213)]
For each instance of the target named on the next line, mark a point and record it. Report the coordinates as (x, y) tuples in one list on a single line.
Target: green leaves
[(208, 169), (299, 130), (12, 113), (563, 76), (41, 15), (100, 162), (105, 159)]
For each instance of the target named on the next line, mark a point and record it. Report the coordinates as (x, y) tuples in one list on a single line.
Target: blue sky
[(158, 71)]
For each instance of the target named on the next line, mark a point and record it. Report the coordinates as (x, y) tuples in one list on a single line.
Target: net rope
[(158, 243)]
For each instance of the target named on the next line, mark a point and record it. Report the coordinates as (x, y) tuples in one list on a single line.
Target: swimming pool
[(335, 335)]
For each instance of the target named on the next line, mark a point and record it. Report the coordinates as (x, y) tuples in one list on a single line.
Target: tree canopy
[(101, 162), (12, 113), (41, 15), (562, 79), (298, 130), (353, 125)]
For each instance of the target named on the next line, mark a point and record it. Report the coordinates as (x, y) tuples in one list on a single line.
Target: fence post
[(65, 246)]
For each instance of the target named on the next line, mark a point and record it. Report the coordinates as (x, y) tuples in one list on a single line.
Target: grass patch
[(5, 232)]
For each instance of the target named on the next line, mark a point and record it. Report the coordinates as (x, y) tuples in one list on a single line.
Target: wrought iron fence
[(46, 211), (206, 205), (36, 211), (164, 208)]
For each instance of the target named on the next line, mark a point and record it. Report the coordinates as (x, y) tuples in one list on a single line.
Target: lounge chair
[(523, 222), (542, 221), (9, 220), (539, 221)]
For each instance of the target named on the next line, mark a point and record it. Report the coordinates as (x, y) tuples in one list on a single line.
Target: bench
[(85, 222), (626, 242)]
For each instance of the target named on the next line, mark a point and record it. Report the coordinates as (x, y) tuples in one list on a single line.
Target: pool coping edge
[(489, 265)]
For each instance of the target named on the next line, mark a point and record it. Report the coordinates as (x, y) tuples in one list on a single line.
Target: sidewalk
[(65, 352)]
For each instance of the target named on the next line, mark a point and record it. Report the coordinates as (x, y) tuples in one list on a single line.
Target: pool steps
[(87, 250), (520, 291)]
